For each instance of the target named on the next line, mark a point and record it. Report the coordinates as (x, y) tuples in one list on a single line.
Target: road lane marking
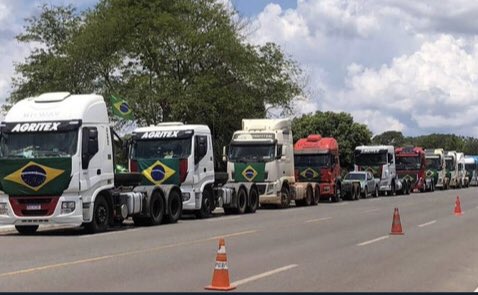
[(427, 223), (113, 232), (121, 254), (373, 241), (371, 210), (318, 219), (264, 274), (222, 218)]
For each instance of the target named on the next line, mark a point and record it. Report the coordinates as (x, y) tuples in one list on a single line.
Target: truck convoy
[(411, 169), (56, 167), (380, 161), (182, 155), (316, 159), (262, 154), (471, 169), (436, 168)]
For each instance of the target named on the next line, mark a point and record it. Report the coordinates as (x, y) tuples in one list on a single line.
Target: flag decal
[(34, 175), (249, 173), (158, 173)]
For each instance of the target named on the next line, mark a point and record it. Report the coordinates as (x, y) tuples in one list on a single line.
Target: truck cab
[(316, 159), (471, 169), (380, 161), (262, 154), (463, 178), (451, 162), (436, 167), (411, 168)]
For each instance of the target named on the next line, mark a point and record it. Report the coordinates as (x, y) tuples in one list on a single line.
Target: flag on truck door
[(121, 108)]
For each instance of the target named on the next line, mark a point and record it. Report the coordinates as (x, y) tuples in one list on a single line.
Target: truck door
[(91, 161), (203, 160)]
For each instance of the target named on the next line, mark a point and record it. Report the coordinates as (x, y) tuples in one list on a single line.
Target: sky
[(403, 65)]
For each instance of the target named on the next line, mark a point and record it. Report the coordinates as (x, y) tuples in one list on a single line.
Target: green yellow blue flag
[(121, 108)]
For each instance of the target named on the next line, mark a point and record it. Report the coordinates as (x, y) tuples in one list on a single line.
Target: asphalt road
[(342, 246)]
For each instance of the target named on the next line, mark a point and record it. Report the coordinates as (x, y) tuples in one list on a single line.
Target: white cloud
[(403, 65)]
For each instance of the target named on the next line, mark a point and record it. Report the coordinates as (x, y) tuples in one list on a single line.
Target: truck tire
[(156, 209), (253, 201), (376, 192), (338, 193), (241, 201), (393, 191), (175, 207), (26, 229), (206, 205), (285, 197), (309, 196), (101, 216), (316, 198)]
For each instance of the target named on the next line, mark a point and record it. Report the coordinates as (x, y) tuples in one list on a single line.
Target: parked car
[(358, 184)]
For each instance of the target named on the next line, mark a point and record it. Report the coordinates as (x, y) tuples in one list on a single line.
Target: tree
[(341, 126), (394, 138), (183, 60)]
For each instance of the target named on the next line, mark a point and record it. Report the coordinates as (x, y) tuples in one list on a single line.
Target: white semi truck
[(182, 154), (57, 167), (380, 161), (451, 161), (436, 168), (262, 153), (464, 179)]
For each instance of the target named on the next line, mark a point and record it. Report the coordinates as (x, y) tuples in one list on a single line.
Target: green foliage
[(341, 126), (183, 60), (394, 138)]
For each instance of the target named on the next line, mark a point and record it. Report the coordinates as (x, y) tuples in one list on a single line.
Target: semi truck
[(436, 168), (471, 169), (451, 162), (411, 168), (57, 167), (380, 161), (262, 153), (316, 160), (182, 154), (464, 180)]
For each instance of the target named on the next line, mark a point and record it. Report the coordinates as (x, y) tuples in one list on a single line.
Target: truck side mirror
[(89, 145)]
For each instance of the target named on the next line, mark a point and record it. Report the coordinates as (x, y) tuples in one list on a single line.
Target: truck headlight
[(3, 209), (67, 207)]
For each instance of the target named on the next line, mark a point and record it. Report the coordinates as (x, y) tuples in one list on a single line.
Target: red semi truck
[(411, 168), (316, 159)]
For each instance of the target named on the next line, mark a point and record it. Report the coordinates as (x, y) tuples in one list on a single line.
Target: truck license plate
[(33, 206)]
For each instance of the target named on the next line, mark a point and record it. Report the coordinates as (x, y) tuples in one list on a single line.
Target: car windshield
[(314, 160), (251, 153), (355, 176), (408, 163), (433, 163), (38, 144), (449, 164), (369, 159), (172, 148)]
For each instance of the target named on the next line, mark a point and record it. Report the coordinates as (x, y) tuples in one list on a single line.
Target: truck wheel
[(26, 229), (253, 201), (285, 197), (241, 201), (338, 194), (175, 206), (156, 209), (308, 197), (316, 198), (376, 193), (101, 216), (393, 192), (206, 205)]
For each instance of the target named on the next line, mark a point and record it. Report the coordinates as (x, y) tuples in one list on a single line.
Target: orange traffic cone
[(220, 276), (396, 224), (458, 207)]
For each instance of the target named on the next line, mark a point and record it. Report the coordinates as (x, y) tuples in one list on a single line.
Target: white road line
[(318, 219), (263, 275), (222, 218), (112, 232), (370, 211), (427, 223), (373, 241)]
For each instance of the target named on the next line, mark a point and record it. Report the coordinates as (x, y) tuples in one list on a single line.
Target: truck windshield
[(161, 149), (370, 159), (433, 163), (355, 176), (470, 167), (449, 164), (315, 160), (408, 163), (38, 144), (248, 153)]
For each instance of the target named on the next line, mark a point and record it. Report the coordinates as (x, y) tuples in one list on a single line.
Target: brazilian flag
[(121, 108)]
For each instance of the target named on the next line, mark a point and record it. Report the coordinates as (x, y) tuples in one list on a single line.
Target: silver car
[(358, 184)]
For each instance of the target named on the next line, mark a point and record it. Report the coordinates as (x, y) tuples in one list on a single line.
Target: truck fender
[(103, 190)]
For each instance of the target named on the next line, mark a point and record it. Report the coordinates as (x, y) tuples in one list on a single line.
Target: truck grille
[(33, 206), (261, 188)]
